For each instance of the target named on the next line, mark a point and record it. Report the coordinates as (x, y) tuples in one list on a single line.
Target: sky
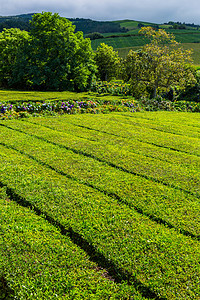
[(156, 11)]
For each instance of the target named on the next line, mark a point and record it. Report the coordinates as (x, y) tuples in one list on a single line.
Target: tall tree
[(160, 65), (12, 43), (107, 61), (59, 58), (54, 58)]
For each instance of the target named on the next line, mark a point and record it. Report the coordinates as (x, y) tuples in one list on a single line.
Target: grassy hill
[(124, 42), (100, 206), (122, 35)]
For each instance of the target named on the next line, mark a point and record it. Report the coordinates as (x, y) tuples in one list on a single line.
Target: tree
[(12, 42), (130, 64), (160, 65), (55, 58), (134, 72), (95, 36), (107, 61), (59, 58)]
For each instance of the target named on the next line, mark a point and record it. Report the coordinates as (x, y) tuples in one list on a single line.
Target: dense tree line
[(89, 26), (52, 56), (20, 21), (180, 25), (23, 25), (85, 25)]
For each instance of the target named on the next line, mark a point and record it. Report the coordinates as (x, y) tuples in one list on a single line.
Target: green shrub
[(38, 262), (75, 174)]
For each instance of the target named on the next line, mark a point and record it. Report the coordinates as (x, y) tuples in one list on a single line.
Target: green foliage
[(94, 36), (12, 43), (20, 21), (38, 262), (59, 59), (159, 66), (113, 87), (54, 58), (192, 94), (107, 61), (74, 169), (90, 26)]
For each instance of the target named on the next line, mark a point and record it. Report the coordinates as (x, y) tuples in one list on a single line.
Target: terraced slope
[(125, 190)]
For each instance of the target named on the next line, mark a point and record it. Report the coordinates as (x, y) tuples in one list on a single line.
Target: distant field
[(196, 51), (138, 40), (124, 51), (194, 46), (124, 44), (189, 38), (121, 42), (100, 207), (132, 25)]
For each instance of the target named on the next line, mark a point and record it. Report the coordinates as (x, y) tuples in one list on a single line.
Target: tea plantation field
[(100, 206), (123, 43)]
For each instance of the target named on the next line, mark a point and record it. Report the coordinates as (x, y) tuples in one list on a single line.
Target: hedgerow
[(110, 179), (162, 104), (169, 174), (111, 126), (94, 104), (132, 145), (145, 253), (38, 262), (160, 125), (26, 109), (113, 87)]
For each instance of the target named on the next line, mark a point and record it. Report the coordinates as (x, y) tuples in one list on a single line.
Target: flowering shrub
[(187, 106), (5, 108), (24, 110), (161, 104), (157, 104)]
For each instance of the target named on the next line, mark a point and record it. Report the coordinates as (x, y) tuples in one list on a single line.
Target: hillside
[(89, 26), (84, 25), (122, 35)]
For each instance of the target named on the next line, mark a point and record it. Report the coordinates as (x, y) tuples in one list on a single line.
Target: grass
[(13, 96), (195, 47), (121, 191), (189, 39), (125, 44), (120, 42), (30, 269)]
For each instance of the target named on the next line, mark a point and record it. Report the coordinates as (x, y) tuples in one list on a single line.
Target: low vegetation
[(31, 270), (104, 97), (122, 189)]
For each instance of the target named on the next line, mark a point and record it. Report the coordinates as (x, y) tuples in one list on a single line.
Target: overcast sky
[(157, 11)]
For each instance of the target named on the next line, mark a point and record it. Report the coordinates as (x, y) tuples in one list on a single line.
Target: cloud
[(145, 10)]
